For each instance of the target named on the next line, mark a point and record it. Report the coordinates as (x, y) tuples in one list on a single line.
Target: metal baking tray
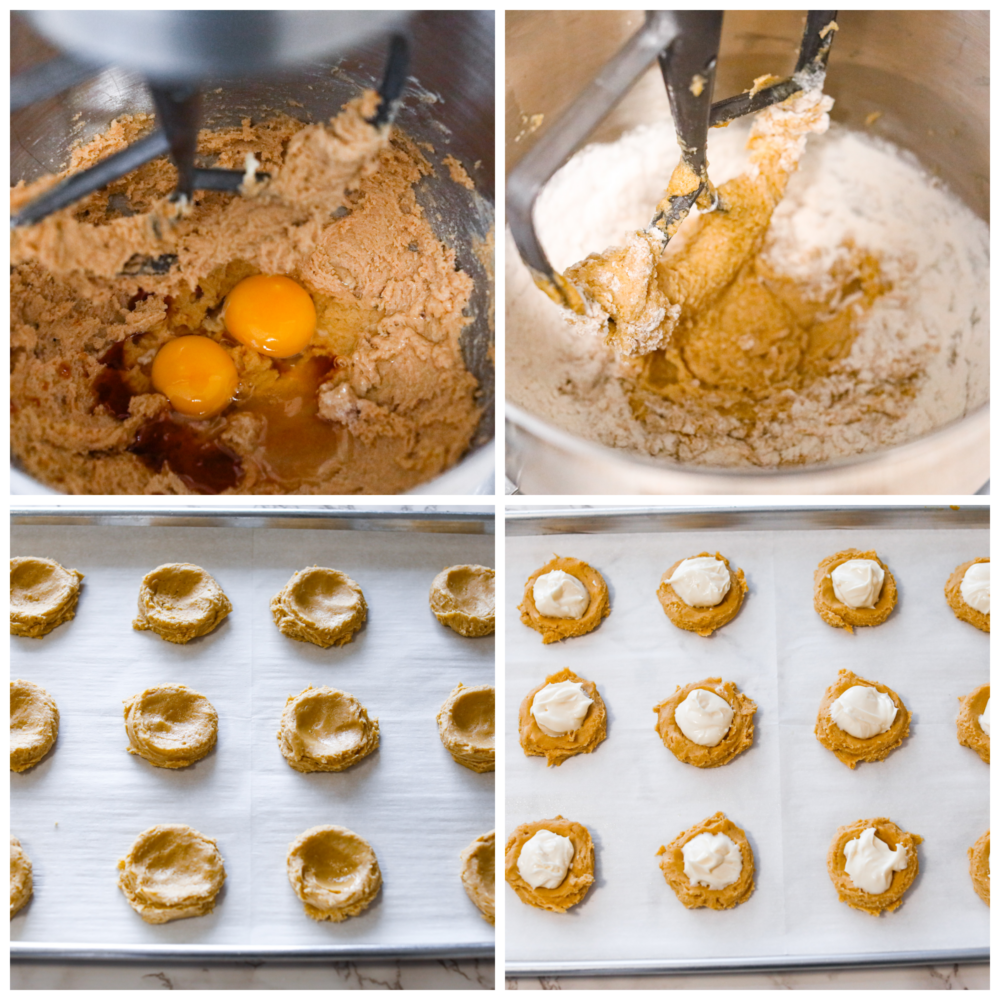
[(381, 530), (622, 520)]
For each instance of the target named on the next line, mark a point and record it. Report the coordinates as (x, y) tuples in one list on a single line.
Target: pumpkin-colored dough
[(556, 749), (319, 605), (20, 877), (858, 899), (979, 867), (848, 748), (171, 872), (464, 599), (704, 621), (467, 727), (579, 877), (554, 629), (34, 724), (479, 874), (170, 725), (833, 611), (953, 595), (695, 896), (970, 733), (179, 602), (323, 729), (43, 595), (334, 872)]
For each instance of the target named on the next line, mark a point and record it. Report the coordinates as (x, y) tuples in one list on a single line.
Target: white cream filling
[(701, 582), (858, 582)]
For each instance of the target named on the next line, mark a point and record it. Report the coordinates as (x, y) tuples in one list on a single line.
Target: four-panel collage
[(722, 279)]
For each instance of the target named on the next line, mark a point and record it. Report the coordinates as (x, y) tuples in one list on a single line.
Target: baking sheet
[(788, 793), (78, 811)]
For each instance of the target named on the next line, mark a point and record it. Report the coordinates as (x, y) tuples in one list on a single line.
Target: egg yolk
[(196, 375), (272, 314)]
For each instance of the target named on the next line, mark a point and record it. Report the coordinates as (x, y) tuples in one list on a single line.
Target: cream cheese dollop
[(976, 587), (560, 595), (704, 718), (984, 719), (701, 582), (871, 862), (858, 582), (545, 859), (863, 712), (712, 859), (560, 708)]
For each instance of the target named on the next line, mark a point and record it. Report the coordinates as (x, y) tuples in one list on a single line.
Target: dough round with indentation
[(179, 602), (579, 876), (970, 733), (43, 594), (467, 725), (556, 749), (833, 611), (704, 621), (334, 872), (323, 729), (171, 872), (319, 605), (953, 595), (979, 867), (34, 724), (20, 877), (464, 599), (479, 874), (554, 629), (170, 725), (893, 836)]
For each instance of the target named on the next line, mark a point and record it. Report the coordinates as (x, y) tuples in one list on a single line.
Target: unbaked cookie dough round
[(579, 873), (479, 874), (705, 620), (334, 872), (970, 731), (319, 605), (171, 872), (20, 877), (852, 749), (891, 835), (953, 595), (170, 725), (689, 889), (34, 724), (179, 602), (43, 594), (553, 629), (979, 867), (323, 729), (560, 747), (467, 725), (463, 598), (840, 615), (737, 738)]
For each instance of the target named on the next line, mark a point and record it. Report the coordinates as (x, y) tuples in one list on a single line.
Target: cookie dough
[(694, 896), (850, 749), (479, 874), (323, 729), (319, 605), (34, 724), (170, 725), (891, 835), (704, 621), (970, 732), (979, 867), (834, 611), (20, 877), (171, 872), (953, 595), (556, 749), (579, 876), (334, 872), (466, 725), (737, 738), (43, 595), (179, 602), (462, 597), (554, 629)]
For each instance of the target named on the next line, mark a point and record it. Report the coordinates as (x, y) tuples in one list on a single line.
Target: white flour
[(921, 358)]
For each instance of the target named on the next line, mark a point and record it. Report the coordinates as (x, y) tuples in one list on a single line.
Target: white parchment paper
[(788, 792), (78, 811)]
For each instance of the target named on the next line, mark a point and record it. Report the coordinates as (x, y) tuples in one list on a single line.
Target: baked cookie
[(319, 605), (872, 863), (479, 874), (964, 586), (463, 598), (20, 877), (466, 725), (564, 598), (979, 867), (864, 711), (707, 724), (179, 602), (853, 588), (974, 721), (323, 729), (34, 724), (550, 864), (170, 725), (709, 865), (334, 872), (701, 593), (561, 718), (171, 872), (43, 594)]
